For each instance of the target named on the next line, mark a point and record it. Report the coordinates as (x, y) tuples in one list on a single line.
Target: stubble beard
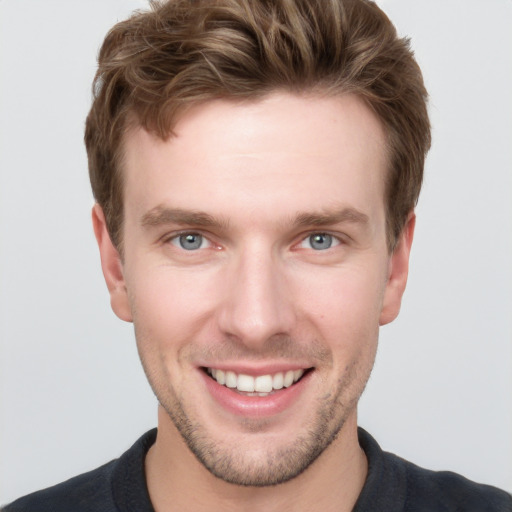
[(275, 465), (269, 466)]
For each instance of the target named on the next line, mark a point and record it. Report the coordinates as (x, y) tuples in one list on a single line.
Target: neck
[(178, 481)]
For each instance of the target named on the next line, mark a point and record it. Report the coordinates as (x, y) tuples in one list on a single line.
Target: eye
[(319, 242), (190, 241)]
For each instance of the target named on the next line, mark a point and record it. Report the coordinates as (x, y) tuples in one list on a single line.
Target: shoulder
[(394, 484), (84, 493), (449, 491), (117, 485)]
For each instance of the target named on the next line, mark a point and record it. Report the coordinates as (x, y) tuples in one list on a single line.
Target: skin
[(257, 295)]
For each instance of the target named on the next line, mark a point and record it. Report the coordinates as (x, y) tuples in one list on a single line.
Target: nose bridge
[(256, 305)]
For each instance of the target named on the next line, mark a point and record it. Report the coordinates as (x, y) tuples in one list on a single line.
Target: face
[(256, 273)]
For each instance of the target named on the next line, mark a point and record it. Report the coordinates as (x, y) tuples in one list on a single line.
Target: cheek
[(341, 293), (169, 307), (344, 304), (170, 312)]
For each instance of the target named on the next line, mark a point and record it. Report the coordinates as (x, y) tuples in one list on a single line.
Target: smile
[(262, 385)]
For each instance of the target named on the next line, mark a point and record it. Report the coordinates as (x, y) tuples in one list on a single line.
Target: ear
[(397, 273), (112, 266)]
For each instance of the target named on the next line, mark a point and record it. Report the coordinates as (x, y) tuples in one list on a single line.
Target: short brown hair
[(182, 52)]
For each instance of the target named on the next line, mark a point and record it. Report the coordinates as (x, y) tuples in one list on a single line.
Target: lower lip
[(255, 406)]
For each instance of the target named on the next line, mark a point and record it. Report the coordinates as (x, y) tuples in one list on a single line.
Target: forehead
[(275, 155)]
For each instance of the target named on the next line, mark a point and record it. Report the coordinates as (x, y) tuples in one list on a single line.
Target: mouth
[(260, 385)]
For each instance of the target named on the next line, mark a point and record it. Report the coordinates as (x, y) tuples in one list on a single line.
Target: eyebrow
[(330, 217), (161, 215)]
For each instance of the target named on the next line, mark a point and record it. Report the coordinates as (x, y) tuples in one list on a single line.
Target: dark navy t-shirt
[(392, 485)]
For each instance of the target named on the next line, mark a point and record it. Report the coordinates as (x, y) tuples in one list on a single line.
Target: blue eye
[(319, 241), (190, 241)]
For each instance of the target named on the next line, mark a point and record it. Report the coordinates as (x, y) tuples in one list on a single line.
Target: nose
[(256, 304)]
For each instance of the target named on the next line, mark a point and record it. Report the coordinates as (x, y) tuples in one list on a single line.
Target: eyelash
[(333, 239), (174, 240)]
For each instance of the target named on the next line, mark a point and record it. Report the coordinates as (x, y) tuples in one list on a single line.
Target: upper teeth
[(260, 384)]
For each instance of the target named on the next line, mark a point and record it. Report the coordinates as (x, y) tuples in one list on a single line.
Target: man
[(256, 167)]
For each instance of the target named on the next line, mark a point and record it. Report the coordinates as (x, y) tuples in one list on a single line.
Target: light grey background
[(72, 393)]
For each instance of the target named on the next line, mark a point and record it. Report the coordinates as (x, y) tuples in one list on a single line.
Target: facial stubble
[(271, 466)]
